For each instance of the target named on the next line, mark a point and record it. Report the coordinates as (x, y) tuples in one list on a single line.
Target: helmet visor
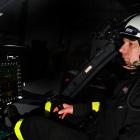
[(131, 31)]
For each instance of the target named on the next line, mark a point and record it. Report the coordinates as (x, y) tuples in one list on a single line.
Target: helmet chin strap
[(133, 66), (129, 67), (139, 42)]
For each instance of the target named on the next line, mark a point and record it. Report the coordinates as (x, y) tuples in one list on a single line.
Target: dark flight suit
[(119, 120)]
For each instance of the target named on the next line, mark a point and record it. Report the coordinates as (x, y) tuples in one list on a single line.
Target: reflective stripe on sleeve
[(17, 129), (96, 106), (48, 106)]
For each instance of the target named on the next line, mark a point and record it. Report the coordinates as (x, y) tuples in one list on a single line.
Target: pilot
[(120, 117)]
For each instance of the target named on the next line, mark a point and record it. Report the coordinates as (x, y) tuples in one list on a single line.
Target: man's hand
[(67, 109)]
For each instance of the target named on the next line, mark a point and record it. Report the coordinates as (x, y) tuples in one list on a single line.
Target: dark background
[(57, 35)]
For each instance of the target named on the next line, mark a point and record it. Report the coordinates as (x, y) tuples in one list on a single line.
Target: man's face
[(130, 51)]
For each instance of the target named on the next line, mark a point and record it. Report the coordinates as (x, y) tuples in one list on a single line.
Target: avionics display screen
[(9, 78)]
